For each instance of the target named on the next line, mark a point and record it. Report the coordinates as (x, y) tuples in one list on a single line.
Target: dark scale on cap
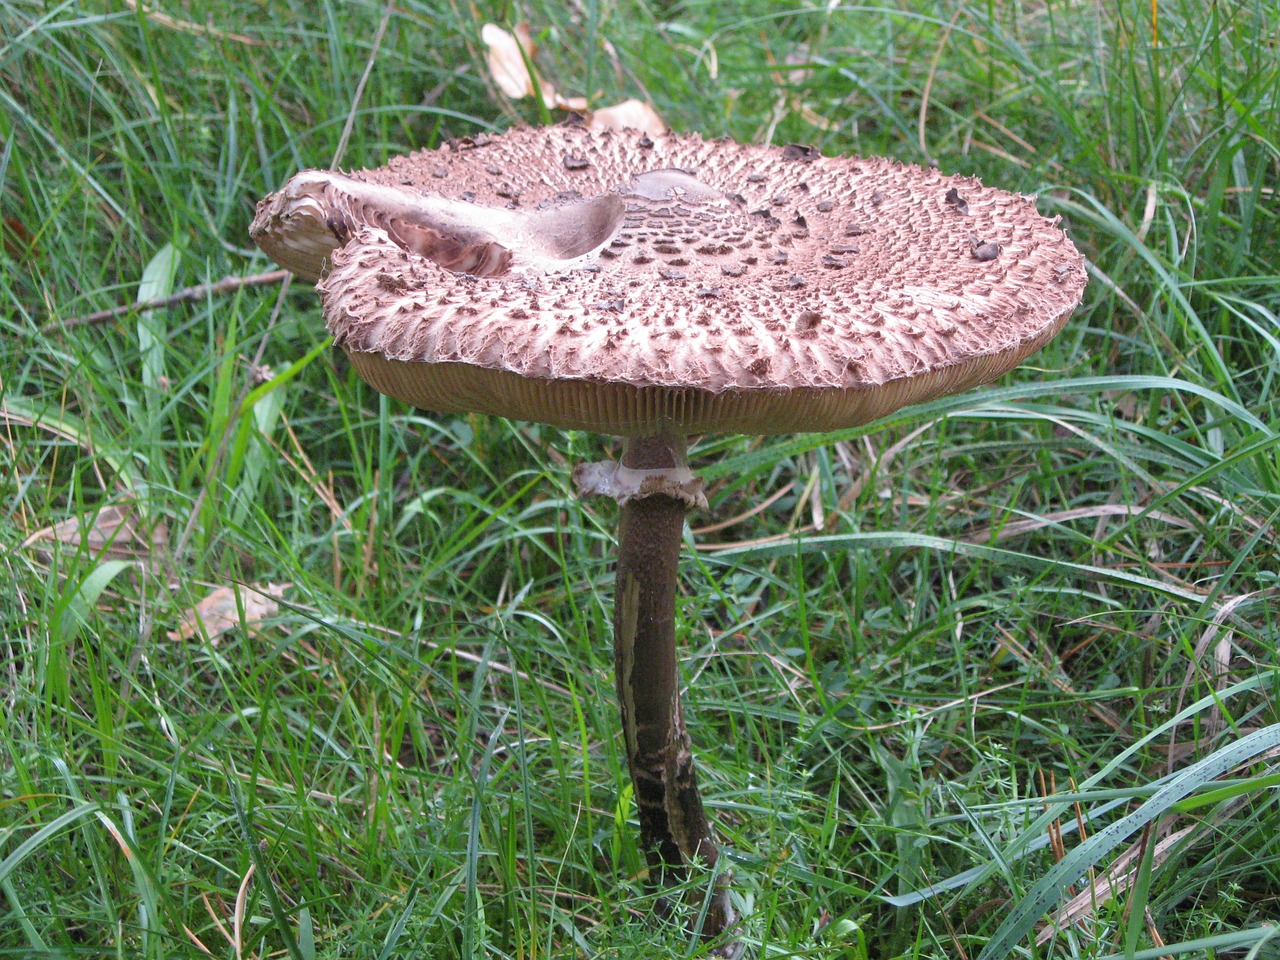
[(957, 202), (802, 152), (985, 251)]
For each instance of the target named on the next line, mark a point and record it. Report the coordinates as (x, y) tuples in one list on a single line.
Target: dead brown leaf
[(113, 533), (509, 57), (18, 241), (629, 114), (227, 608), (506, 58)]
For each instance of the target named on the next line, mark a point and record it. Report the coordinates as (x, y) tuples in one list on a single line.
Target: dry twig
[(198, 292)]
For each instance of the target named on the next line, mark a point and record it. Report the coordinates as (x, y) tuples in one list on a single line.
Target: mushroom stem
[(673, 826)]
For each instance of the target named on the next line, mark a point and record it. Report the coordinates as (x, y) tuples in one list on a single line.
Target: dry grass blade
[(1017, 528), (453, 651), (1265, 527), (1218, 675), (760, 507), (237, 923), (186, 26), (1106, 887), (1055, 673), (942, 708), (850, 496), (197, 941)]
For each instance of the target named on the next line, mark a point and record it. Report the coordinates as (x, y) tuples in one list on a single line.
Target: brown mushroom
[(658, 288)]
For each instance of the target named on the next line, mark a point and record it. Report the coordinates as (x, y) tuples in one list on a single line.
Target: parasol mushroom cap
[(634, 285)]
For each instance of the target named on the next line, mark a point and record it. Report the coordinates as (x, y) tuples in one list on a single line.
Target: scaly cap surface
[(630, 285)]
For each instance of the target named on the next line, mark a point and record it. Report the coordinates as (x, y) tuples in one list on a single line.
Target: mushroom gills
[(319, 211)]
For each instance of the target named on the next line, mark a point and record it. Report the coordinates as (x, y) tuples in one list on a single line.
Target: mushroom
[(657, 288)]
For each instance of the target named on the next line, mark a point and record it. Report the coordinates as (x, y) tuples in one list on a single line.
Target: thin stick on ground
[(198, 292)]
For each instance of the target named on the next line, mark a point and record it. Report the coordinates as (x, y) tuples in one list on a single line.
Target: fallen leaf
[(630, 114), (226, 608), (113, 533), (576, 104), (509, 57), (506, 58)]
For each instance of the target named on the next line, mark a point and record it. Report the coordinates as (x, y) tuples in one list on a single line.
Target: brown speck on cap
[(822, 335)]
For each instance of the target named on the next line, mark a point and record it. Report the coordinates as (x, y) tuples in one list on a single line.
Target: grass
[(946, 674)]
